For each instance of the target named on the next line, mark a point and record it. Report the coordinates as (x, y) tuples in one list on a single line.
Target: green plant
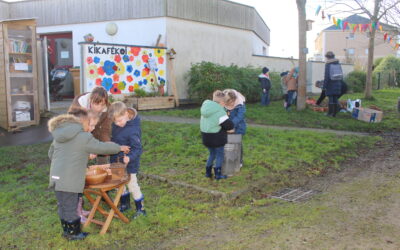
[(111, 99), (206, 77), (388, 63), (356, 81), (140, 93)]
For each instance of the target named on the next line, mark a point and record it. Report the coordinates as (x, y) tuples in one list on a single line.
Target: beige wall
[(195, 42), (336, 41)]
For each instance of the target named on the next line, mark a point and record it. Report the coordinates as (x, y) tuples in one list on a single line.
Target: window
[(351, 36), (350, 51), (264, 51)]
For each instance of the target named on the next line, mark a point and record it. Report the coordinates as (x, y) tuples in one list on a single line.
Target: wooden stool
[(100, 191)]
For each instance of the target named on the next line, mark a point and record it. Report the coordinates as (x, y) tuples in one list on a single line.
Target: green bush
[(356, 81), (206, 77), (388, 63)]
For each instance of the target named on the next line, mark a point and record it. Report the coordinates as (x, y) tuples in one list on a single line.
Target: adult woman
[(97, 101), (332, 82)]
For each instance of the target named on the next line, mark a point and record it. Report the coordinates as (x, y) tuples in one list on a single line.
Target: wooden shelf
[(18, 43), (20, 54), (22, 94), (21, 74)]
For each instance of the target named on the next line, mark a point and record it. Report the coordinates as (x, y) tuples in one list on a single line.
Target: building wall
[(132, 32), (220, 12), (4, 11), (337, 42), (195, 42), (258, 46), (60, 12)]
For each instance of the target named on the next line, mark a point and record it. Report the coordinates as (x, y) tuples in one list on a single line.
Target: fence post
[(379, 80)]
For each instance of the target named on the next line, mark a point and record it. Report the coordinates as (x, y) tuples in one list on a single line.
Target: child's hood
[(64, 127), (209, 108), (134, 118)]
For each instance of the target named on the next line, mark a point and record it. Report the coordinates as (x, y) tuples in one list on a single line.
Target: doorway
[(60, 60)]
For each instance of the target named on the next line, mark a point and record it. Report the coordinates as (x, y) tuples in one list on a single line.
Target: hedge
[(356, 81), (206, 77)]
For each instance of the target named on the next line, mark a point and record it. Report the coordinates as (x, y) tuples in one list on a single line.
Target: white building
[(218, 31)]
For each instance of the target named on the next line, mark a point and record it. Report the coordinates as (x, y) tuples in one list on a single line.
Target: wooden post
[(172, 79)]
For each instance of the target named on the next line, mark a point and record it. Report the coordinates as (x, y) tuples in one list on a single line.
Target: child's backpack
[(336, 73)]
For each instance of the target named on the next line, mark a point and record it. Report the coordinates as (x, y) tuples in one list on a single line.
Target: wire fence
[(387, 79)]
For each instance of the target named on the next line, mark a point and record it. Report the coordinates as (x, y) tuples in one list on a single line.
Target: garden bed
[(149, 103)]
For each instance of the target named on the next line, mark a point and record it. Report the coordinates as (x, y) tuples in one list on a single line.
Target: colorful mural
[(124, 69)]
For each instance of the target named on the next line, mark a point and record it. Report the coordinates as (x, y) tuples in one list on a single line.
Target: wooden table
[(99, 191)]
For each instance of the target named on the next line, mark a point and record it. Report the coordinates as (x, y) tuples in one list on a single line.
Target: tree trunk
[(371, 45), (368, 83), (302, 78)]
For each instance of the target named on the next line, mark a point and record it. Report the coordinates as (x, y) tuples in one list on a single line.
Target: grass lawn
[(175, 151), (275, 114), (28, 216)]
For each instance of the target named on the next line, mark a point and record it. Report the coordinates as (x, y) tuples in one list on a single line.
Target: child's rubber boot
[(72, 230), (218, 174), (64, 227), (139, 208), (125, 203), (209, 172)]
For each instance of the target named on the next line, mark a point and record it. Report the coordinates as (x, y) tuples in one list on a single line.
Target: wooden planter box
[(148, 103)]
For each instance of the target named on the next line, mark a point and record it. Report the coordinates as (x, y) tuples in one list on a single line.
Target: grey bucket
[(232, 155)]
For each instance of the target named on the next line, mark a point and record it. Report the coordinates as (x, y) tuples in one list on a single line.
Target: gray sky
[(281, 17)]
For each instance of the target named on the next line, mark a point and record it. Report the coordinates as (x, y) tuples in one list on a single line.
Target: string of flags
[(354, 27)]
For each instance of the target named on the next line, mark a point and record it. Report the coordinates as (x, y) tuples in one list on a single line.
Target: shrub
[(206, 77), (356, 81)]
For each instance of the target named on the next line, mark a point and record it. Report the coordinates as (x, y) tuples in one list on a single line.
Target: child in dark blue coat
[(126, 128), (235, 104)]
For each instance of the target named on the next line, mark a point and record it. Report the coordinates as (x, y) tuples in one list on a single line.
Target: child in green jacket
[(69, 155), (214, 124)]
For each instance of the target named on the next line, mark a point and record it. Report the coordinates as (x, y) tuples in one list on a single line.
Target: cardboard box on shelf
[(367, 115)]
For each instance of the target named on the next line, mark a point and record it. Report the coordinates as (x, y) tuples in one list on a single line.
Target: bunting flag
[(329, 17), (380, 28), (323, 15), (334, 21), (360, 27), (317, 10), (385, 37), (370, 27), (389, 39), (397, 46), (373, 25), (340, 24), (345, 25)]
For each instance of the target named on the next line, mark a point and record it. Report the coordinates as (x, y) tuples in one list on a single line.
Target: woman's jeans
[(290, 99), (265, 98), (216, 154)]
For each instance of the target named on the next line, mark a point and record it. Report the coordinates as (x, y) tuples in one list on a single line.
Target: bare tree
[(302, 78), (386, 10)]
